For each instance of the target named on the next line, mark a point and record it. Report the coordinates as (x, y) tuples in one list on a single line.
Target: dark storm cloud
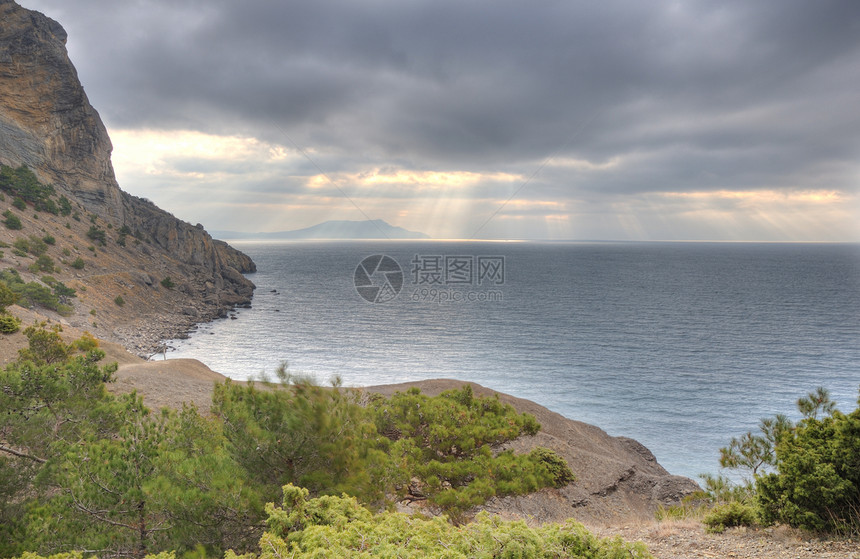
[(723, 94)]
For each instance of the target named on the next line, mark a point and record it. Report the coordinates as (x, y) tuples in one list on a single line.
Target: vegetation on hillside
[(805, 474), (81, 469), (21, 183), (48, 293)]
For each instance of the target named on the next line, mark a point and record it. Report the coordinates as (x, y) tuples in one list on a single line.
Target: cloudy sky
[(563, 119)]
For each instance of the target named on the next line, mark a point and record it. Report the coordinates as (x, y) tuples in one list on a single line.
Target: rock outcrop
[(48, 124)]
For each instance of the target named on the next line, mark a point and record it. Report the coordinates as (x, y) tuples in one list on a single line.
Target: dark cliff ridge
[(48, 124)]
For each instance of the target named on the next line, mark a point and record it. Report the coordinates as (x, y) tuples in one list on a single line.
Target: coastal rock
[(48, 124), (235, 259)]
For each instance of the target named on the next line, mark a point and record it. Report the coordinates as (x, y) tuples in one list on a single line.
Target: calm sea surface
[(678, 345)]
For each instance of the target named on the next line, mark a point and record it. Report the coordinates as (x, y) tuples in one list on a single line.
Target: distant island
[(341, 230)]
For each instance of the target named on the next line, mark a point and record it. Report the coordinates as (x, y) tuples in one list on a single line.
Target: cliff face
[(47, 124), (46, 121)]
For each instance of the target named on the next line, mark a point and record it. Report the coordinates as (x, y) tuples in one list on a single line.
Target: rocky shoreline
[(150, 335)]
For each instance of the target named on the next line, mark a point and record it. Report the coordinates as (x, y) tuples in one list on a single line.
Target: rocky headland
[(48, 125)]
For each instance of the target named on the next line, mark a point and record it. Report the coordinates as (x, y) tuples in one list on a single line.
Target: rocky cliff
[(47, 124)]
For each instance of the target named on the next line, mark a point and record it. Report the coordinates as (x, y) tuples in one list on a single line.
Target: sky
[(564, 119)]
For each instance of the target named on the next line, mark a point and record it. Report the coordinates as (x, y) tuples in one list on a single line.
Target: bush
[(38, 246), (12, 221), (97, 234), (65, 206), (47, 205), (45, 346), (20, 204), (22, 245), (43, 264), (9, 324), (806, 474), (447, 443), (340, 527), (22, 183), (729, 515), (167, 283), (7, 296), (49, 240), (119, 301), (33, 293), (86, 343), (78, 263), (63, 292), (817, 482)]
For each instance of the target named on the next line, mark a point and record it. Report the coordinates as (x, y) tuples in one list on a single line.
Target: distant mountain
[(347, 230)]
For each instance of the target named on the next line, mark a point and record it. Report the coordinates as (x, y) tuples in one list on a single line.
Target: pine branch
[(14, 452)]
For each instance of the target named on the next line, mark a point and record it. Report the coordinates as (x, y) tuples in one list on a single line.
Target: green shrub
[(22, 183), (33, 293), (168, 283), (9, 324), (65, 206), (340, 527), (47, 205), (38, 246), (447, 443), (729, 515), (7, 296), (22, 244), (97, 234), (44, 264), (20, 204), (119, 301), (806, 474), (555, 465), (49, 240), (63, 292), (12, 221), (86, 343), (78, 263), (45, 346)]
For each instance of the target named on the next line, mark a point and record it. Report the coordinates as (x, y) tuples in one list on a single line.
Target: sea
[(681, 346)]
